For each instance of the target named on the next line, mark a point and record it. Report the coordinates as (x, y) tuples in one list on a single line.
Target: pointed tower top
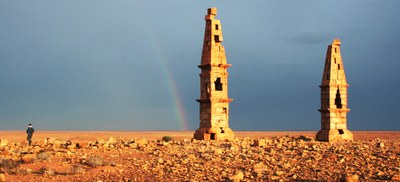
[(336, 42), (212, 11)]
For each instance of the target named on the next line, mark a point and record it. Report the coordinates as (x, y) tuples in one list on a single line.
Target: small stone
[(5, 152), (380, 173), (141, 142), (49, 141), (110, 143), (380, 145), (260, 167), (274, 178), (100, 141), (191, 156), (260, 142), (3, 142), (28, 158), (82, 144), (132, 145), (350, 178), (278, 173), (237, 177), (218, 151), (396, 177), (2, 177)]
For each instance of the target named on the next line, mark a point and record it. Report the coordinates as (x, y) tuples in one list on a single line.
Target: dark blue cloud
[(103, 65)]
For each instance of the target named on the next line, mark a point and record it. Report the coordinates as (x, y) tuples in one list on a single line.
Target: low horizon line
[(193, 130)]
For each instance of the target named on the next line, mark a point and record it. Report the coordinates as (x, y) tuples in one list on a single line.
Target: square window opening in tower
[(216, 38), (218, 84), (212, 136)]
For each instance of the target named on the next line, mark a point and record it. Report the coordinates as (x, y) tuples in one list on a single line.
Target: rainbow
[(173, 90), (180, 113), (179, 109)]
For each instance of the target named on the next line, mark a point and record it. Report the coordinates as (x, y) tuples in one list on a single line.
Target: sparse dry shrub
[(77, 169), (43, 156), (109, 163), (22, 171), (16, 150), (46, 171), (94, 161), (9, 165), (167, 138), (304, 138)]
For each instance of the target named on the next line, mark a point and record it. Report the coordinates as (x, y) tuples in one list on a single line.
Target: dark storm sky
[(132, 65)]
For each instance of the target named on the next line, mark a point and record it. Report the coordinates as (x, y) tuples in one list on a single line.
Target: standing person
[(29, 131)]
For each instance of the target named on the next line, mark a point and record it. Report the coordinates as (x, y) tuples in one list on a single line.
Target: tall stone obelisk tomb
[(334, 98), (214, 100)]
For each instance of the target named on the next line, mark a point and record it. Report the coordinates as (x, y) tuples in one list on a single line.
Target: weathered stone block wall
[(214, 100), (334, 98)]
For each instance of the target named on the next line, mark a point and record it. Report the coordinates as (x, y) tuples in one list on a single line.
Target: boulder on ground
[(2, 177), (260, 142), (28, 158), (49, 141), (380, 145), (3, 142), (110, 143), (260, 167), (141, 142), (237, 177), (350, 178)]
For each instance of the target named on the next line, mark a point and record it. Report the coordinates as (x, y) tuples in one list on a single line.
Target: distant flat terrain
[(18, 136)]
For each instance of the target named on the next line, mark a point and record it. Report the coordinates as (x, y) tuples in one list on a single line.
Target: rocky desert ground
[(174, 156)]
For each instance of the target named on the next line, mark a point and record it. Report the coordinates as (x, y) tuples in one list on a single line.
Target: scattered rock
[(380, 145), (237, 177), (395, 177), (260, 142), (350, 178), (100, 141), (110, 143), (245, 159), (2, 177), (28, 158), (141, 142), (279, 173), (50, 141), (3, 142), (259, 168)]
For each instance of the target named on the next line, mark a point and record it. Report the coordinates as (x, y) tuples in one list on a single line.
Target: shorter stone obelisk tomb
[(334, 98)]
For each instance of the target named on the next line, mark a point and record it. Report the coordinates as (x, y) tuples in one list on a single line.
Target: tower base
[(334, 135), (214, 134)]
